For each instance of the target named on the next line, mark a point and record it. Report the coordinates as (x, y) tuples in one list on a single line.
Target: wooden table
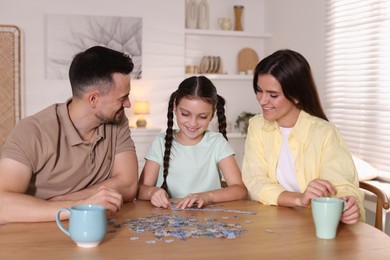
[(273, 233)]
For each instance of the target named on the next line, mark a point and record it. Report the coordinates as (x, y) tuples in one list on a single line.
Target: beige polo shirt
[(61, 162)]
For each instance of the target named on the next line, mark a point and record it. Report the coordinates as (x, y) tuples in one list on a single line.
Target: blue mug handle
[(344, 205), (58, 220)]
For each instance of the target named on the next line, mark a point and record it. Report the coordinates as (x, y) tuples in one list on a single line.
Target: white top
[(285, 169), (192, 168)]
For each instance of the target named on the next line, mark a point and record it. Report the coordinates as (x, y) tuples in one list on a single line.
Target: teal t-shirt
[(194, 168)]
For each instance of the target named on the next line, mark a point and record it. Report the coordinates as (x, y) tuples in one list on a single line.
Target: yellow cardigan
[(319, 151)]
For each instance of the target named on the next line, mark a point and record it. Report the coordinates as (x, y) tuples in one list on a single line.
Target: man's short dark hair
[(94, 68)]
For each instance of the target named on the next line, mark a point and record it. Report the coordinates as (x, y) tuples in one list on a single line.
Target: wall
[(163, 47), (290, 23), (299, 25)]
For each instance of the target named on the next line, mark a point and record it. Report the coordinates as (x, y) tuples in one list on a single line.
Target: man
[(77, 152)]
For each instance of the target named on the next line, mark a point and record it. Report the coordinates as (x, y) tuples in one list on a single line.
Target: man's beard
[(115, 120)]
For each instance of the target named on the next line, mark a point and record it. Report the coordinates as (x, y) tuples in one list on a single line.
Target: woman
[(292, 153)]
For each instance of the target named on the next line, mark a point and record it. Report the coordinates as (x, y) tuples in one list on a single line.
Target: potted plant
[(242, 121)]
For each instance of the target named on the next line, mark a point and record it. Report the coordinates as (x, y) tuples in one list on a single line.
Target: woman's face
[(275, 106), (193, 117)]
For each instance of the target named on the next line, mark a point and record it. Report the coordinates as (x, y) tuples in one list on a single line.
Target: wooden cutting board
[(247, 59)]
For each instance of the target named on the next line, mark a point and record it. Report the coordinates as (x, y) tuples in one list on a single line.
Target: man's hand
[(106, 197)]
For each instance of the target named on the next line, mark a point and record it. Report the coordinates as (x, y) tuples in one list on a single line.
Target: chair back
[(10, 79), (382, 203)]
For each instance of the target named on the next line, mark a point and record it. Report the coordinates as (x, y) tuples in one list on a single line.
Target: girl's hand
[(160, 198), (317, 188), (351, 214), (194, 199)]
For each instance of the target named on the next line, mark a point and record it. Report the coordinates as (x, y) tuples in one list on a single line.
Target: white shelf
[(224, 76), (144, 131), (143, 138), (222, 33), (226, 44), (235, 135)]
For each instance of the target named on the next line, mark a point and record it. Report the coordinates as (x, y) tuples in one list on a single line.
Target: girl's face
[(276, 107), (193, 117)]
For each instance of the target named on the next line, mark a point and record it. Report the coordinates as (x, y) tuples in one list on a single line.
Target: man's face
[(111, 106)]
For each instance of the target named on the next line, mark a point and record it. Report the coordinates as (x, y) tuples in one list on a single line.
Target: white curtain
[(358, 76)]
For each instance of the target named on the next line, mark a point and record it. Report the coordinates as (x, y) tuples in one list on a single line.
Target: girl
[(187, 163), (292, 152)]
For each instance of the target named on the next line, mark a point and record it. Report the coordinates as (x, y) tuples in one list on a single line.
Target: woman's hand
[(351, 214), (160, 198), (317, 188), (194, 199)]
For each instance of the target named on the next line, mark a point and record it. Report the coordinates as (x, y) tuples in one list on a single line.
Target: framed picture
[(67, 35)]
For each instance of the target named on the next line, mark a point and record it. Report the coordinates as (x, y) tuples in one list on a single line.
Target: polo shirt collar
[(70, 131)]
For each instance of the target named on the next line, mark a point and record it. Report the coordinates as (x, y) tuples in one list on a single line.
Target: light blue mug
[(326, 214), (87, 224)]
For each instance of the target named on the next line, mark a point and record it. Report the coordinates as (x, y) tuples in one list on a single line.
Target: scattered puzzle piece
[(182, 228)]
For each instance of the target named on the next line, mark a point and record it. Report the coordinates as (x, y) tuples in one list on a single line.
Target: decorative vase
[(225, 23), (191, 14), (238, 10), (203, 15)]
